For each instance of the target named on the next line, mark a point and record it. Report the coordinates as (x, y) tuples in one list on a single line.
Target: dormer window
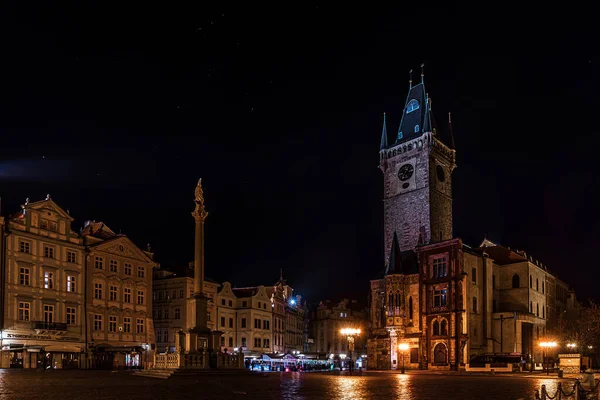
[(412, 106)]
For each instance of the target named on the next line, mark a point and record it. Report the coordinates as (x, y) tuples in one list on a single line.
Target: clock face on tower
[(405, 172)]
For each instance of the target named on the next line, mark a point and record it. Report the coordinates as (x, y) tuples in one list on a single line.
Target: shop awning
[(63, 348)]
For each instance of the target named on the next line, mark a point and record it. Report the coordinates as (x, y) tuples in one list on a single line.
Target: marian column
[(199, 338), (199, 215)]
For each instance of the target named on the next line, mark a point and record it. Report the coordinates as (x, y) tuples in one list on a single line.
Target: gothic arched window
[(537, 309), (436, 328), (530, 282), (537, 284), (410, 308), (516, 281), (439, 354), (444, 327), (542, 287), (412, 106)]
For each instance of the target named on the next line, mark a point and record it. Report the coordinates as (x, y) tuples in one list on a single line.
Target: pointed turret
[(384, 141), (416, 117), (395, 261)]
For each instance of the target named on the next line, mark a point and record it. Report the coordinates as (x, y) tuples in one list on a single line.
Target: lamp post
[(544, 346), (350, 333), (403, 347)]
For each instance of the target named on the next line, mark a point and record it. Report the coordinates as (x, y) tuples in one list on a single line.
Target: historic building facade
[(447, 301), (43, 277), (119, 299), (172, 309), (326, 324)]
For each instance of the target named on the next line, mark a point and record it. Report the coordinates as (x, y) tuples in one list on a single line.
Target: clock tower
[(417, 168)]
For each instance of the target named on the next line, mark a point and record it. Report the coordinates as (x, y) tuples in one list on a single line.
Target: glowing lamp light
[(235, 349), (571, 345), (403, 346), (293, 301), (350, 331), (548, 344), (342, 356)]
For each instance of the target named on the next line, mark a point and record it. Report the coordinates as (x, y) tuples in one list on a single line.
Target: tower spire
[(423, 73), (450, 133), (410, 79), (384, 142), (395, 261)]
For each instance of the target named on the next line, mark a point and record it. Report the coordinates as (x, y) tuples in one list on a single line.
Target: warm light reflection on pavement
[(87, 385)]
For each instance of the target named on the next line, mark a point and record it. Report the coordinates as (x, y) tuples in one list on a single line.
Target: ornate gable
[(49, 205), (122, 246)]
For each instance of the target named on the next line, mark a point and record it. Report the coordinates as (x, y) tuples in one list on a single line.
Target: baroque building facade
[(119, 300), (447, 301), (43, 277), (72, 300)]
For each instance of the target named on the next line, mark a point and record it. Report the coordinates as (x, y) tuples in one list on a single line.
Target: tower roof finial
[(384, 142), (410, 79), (422, 72), (450, 130)]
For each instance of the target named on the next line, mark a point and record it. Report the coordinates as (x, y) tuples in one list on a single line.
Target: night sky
[(117, 111)]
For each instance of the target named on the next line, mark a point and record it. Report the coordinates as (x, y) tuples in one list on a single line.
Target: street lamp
[(403, 347), (544, 346), (350, 333), (571, 346)]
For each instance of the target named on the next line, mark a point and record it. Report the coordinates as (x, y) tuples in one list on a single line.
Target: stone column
[(199, 215), (201, 301)]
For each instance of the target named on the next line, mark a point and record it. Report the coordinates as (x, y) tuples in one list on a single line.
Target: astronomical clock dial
[(405, 172)]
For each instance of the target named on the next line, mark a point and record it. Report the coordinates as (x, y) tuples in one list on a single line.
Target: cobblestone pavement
[(88, 385)]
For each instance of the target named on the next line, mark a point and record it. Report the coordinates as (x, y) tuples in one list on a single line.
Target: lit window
[(70, 284), (412, 106), (48, 280)]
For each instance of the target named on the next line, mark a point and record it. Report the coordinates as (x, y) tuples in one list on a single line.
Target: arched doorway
[(440, 354)]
